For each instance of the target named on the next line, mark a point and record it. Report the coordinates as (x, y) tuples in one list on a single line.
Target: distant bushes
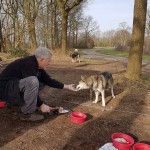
[(17, 52), (121, 48)]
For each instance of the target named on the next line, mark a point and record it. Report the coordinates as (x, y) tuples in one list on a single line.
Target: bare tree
[(123, 34), (30, 8), (147, 33), (135, 55), (65, 7), (107, 38), (75, 20), (56, 26), (48, 24), (29, 23), (89, 26), (6, 25), (2, 47)]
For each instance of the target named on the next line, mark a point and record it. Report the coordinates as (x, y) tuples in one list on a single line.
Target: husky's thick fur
[(75, 56), (98, 83)]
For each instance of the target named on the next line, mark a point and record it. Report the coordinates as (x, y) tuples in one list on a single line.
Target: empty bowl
[(141, 146), (78, 117), (125, 142), (2, 104)]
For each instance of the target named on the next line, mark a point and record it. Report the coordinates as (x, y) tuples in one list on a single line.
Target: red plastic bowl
[(141, 146), (2, 104), (78, 117), (122, 146)]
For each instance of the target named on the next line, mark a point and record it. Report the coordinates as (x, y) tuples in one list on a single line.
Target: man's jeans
[(30, 87)]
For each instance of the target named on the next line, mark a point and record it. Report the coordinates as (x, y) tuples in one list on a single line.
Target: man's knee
[(33, 82), (29, 83)]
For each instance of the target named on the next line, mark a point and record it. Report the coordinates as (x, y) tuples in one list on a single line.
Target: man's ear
[(40, 59)]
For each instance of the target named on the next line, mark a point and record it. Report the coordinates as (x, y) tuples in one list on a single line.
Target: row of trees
[(60, 23), (51, 23), (121, 37)]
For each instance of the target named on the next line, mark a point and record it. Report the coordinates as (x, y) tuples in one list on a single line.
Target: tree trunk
[(56, 33), (136, 50), (17, 34), (31, 8), (65, 9), (76, 37), (51, 25), (73, 34), (2, 47), (64, 30), (32, 34), (7, 42)]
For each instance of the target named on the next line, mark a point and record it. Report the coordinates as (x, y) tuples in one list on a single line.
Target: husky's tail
[(108, 79)]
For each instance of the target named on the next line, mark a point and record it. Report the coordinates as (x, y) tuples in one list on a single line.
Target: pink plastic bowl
[(78, 117), (141, 146), (2, 104), (122, 146)]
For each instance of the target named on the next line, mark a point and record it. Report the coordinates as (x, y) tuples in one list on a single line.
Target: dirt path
[(93, 54)]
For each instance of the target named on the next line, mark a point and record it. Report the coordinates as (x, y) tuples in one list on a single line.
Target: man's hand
[(70, 87), (45, 108)]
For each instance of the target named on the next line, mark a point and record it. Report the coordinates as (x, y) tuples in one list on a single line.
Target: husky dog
[(75, 56), (98, 83)]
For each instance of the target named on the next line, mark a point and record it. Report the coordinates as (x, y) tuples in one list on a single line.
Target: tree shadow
[(89, 116)]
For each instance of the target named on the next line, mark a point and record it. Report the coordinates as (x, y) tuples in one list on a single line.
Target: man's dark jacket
[(19, 69)]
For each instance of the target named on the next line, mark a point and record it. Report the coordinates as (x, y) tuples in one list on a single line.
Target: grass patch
[(93, 61), (89, 60), (146, 57), (111, 51)]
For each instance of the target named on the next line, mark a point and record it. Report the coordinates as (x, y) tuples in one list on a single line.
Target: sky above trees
[(110, 13)]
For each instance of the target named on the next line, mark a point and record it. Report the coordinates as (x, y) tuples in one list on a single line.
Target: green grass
[(113, 52), (91, 60), (146, 57)]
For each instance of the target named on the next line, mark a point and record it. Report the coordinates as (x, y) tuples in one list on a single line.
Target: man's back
[(20, 68)]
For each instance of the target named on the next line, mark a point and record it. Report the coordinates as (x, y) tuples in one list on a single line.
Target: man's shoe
[(32, 117)]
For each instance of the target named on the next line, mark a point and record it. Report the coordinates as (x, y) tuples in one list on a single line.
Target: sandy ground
[(128, 113)]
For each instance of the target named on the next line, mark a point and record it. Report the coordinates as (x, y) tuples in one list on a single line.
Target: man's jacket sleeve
[(47, 80)]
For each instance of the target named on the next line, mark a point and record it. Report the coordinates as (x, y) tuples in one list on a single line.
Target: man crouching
[(21, 81)]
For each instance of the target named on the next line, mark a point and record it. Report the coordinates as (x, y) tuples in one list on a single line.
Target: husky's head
[(83, 84)]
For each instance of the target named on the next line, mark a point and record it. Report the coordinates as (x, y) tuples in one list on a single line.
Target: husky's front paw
[(94, 102), (113, 96), (103, 105)]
